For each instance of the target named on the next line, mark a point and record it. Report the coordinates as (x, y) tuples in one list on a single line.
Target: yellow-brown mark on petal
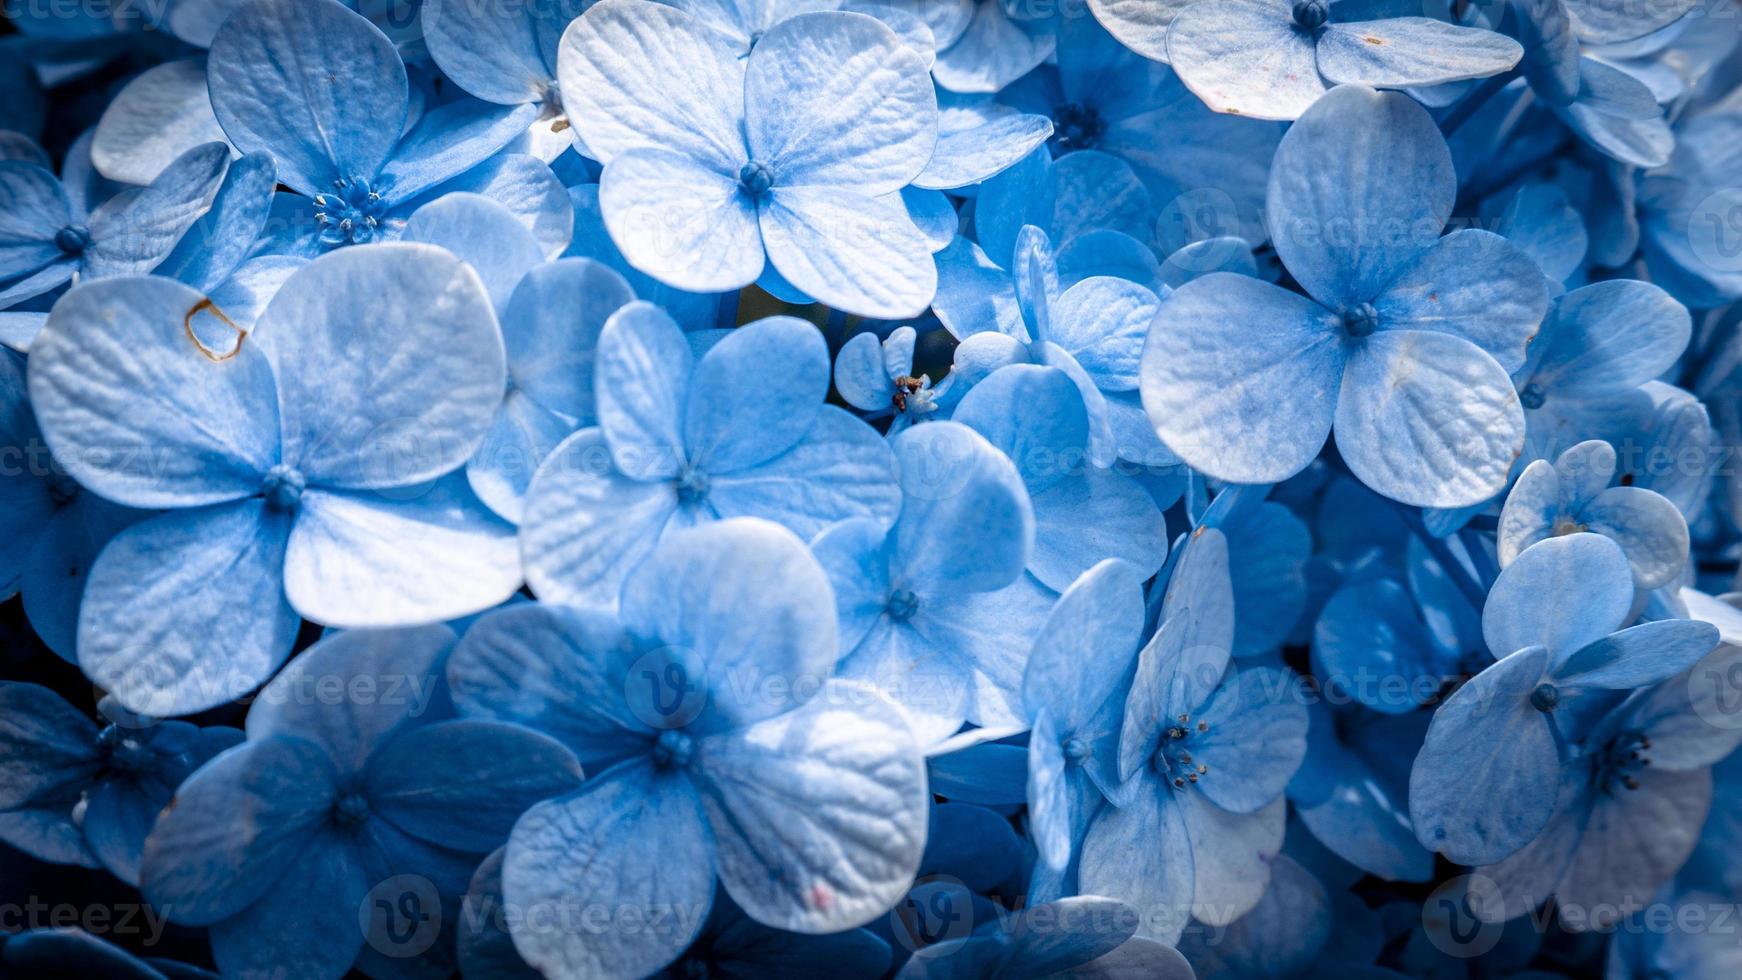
[(207, 306)]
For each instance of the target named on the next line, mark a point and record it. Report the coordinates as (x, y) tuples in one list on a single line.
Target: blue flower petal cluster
[(870, 489)]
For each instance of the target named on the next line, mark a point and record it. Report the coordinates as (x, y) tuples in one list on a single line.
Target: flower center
[(692, 484), (1173, 760), (1076, 127), (1566, 525), (283, 487), (1075, 750), (755, 180), (902, 605), (1310, 15), (73, 239), (1532, 396), (351, 215), (913, 396), (1545, 697), (1619, 762), (123, 749), (673, 749), (351, 810), (1361, 321)]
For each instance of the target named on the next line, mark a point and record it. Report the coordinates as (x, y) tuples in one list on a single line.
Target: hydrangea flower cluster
[(871, 489)]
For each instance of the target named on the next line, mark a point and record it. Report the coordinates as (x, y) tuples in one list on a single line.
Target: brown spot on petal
[(1370, 39), (207, 306)]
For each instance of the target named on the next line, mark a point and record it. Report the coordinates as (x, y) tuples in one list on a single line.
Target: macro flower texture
[(871, 489)]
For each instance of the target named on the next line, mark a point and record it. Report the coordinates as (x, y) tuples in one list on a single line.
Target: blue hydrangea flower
[(1404, 341), (1273, 58), (1629, 808), (51, 233), (936, 611), (356, 159), (77, 792), (718, 167), (877, 378), (1573, 494), (301, 471), (740, 431), (720, 751), (1554, 619), (1204, 756), (1683, 211), (1082, 513), (332, 795)]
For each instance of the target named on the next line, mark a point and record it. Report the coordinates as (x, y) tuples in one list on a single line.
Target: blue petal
[(501, 54), (739, 595), (1344, 236), (186, 611), (1245, 57), (979, 139), (373, 559), (1401, 52), (853, 251), (966, 524), (360, 410), (140, 414), (1562, 594), (837, 100), (638, 76), (685, 224), (556, 670), (724, 431), (482, 233), (1256, 739), (838, 783), (842, 469), (462, 784), (1428, 419), (1471, 284), (632, 838), (159, 115), (641, 383), (586, 523), (270, 71)]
